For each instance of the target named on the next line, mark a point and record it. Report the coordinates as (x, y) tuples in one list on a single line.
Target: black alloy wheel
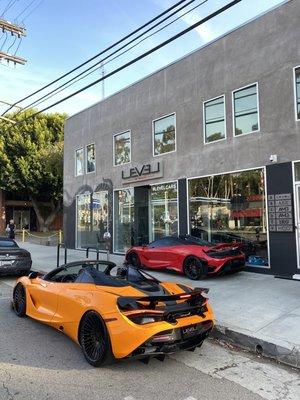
[(134, 259), (94, 340), (194, 268), (19, 300)]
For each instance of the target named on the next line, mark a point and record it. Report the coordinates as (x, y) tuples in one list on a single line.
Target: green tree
[(31, 161)]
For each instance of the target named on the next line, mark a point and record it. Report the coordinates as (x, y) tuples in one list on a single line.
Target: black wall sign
[(282, 239), (142, 172)]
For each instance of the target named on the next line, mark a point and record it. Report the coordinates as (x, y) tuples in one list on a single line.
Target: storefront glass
[(92, 219), (123, 219), (83, 210), (99, 218), (231, 208), (163, 210), (297, 171)]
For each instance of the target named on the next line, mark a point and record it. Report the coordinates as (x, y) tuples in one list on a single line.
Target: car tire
[(19, 300), (194, 268), (94, 340), (134, 259)]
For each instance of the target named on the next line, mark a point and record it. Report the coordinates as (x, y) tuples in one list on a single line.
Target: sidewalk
[(253, 311)]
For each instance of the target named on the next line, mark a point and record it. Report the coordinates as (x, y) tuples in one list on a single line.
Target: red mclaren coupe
[(187, 254)]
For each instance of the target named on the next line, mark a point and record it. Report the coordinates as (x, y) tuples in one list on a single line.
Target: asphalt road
[(37, 362)]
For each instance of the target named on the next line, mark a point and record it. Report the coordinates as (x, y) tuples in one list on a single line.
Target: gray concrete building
[(209, 145)]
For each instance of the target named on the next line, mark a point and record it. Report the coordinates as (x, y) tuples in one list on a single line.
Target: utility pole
[(14, 30)]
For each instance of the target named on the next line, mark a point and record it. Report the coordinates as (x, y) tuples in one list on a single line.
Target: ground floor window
[(123, 219), (231, 208), (92, 219), (83, 219), (163, 210)]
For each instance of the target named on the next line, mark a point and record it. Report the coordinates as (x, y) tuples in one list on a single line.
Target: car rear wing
[(192, 303), (193, 298)]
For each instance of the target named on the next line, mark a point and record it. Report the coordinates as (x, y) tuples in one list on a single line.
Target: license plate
[(189, 330), (5, 264)]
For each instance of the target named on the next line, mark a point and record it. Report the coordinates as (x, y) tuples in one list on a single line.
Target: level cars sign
[(280, 212)]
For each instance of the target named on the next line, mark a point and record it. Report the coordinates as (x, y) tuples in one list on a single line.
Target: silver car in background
[(13, 259)]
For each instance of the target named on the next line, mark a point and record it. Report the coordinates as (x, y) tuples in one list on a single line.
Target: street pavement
[(39, 363), (254, 311)]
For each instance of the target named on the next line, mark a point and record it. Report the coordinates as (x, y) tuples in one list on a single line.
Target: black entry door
[(141, 215)]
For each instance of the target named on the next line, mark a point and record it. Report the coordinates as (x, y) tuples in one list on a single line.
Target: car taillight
[(143, 318)]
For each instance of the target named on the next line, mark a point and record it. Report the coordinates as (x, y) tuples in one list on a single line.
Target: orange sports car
[(116, 312)]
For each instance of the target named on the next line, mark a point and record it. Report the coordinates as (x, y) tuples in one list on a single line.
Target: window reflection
[(245, 110), (164, 135), (79, 162), (230, 208), (297, 171), (163, 210), (84, 217), (123, 220), (122, 148), (214, 120), (90, 158)]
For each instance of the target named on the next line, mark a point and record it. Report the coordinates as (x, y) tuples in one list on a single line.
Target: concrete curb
[(289, 356)]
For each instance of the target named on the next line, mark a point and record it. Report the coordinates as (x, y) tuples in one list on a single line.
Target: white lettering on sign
[(280, 216)]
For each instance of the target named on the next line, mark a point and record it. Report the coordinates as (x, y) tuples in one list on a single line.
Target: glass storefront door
[(163, 210), (230, 208), (123, 220)]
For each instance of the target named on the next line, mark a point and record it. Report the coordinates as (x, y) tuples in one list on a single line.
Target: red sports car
[(187, 254)]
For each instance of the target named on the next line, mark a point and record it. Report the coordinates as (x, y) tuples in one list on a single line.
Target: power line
[(92, 68), (9, 5), (97, 55), (140, 57), (26, 8), (32, 10)]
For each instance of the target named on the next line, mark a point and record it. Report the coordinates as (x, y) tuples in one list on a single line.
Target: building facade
[(209, 145)]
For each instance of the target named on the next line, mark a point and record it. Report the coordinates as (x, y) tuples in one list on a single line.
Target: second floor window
[(90, 158), (297, 92), (214, 119), (164, 140), (245, 110), (79, 162), (122, 148)]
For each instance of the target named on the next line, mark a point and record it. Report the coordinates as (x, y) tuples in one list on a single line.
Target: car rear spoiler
[(193, 298)]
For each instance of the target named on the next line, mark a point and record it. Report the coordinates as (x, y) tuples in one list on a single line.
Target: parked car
[(247, 246), (116, 312), (13, 259), (187, 254)]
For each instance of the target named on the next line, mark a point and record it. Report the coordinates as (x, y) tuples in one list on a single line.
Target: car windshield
[(8, 243), (188, 239)]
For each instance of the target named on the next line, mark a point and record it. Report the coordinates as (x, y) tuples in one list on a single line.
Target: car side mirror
[(33, 275)]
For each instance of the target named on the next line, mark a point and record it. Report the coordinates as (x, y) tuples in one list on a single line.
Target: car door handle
[(43, 284)]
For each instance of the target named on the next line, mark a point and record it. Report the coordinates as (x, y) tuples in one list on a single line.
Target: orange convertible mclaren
[(116, 312)]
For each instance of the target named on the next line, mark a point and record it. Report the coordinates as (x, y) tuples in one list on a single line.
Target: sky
[(61, 34)]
